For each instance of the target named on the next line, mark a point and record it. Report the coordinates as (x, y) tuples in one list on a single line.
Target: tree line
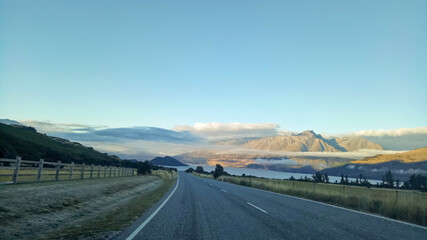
[(415, 181), (219, 171)]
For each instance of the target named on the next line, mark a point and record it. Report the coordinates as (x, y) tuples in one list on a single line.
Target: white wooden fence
[(14, 170)]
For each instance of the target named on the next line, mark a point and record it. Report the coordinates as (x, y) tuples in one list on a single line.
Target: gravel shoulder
[(93, 208)]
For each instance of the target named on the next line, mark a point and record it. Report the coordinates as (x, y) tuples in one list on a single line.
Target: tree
[(219, 170), (417, 181), (199, 169), (144, 168), (326, 178), (317, 177), (190, 170), (389, 180)]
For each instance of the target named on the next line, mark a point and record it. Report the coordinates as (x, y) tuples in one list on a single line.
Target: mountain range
[(307, 141)]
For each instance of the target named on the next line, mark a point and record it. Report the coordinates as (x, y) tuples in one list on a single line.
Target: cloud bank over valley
[(144, 142)]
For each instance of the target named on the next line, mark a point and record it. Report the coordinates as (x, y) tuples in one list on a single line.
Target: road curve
[(207, 209)]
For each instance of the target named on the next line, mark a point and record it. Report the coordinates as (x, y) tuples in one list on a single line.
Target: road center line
[(223, 190), (152, 215), (262, 210)]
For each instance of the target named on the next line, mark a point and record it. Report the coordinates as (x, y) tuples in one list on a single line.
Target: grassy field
[(83, 209), (410, 206)]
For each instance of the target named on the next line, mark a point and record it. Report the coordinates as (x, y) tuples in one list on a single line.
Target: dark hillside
[(167, 161), (27, 143)]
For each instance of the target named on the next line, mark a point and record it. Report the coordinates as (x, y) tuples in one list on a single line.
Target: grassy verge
[(120, 218), (409, 206), (49, 173), (81, 209)]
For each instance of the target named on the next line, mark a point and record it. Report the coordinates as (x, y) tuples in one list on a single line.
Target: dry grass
[(91, 209), (410, 206), (416, 155), (64, 174)]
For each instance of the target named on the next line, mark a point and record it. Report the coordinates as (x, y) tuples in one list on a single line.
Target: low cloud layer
[(152, 141), (48, 127), (396, 139), (359, 154), (79, 132), (391, 132), (230, 130)]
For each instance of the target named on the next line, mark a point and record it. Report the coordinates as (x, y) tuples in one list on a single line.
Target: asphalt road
[(207, 209)]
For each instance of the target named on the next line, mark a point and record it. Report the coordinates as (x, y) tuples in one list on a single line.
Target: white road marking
[(152, 215), (262, 210), (330, 205), (223, 190)]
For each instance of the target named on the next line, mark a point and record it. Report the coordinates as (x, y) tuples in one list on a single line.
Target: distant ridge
[(9, 122), (307, 141), (167, 161), (417, 155), (401, 165)]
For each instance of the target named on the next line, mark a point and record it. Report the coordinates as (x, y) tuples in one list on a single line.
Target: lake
[(265, 173)]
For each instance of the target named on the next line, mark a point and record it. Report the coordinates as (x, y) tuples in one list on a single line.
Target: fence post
[(99, 170), (58, 167), (105, 170), (293, 186), (16, 171), (71, 170), (110, 171), (343, 189), (82, 171), (314, 187), (397, 195), (40, 172), (91, 170)]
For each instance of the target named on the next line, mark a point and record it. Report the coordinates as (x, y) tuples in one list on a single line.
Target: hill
[(27, 143), (400, 170), (309, 141), (417, 155), (167, 161), (9, 122), (401, 165)]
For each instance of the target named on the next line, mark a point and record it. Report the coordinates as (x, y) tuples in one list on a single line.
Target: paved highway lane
[(207, 209)]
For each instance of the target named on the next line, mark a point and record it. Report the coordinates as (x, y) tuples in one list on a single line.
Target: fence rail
[(17, 170)]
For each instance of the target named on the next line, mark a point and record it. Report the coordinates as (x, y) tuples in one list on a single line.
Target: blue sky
[(331, 66)]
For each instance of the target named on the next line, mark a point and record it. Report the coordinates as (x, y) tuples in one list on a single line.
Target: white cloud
[(391, 132), (230, 130)]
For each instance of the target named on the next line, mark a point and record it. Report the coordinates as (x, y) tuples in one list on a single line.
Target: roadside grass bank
[(81, 209), (404, 205)]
